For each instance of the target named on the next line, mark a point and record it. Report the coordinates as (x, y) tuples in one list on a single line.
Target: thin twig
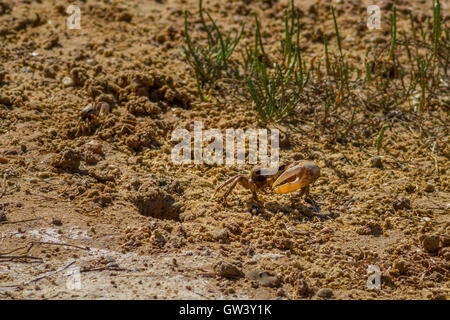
[(19, 257), (106, 269), (48, 274), (20, 221), (4, 185), (17, 249), (60, 244), (32, 243)]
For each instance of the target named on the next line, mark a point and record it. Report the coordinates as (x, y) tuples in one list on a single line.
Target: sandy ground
[(104, 206)]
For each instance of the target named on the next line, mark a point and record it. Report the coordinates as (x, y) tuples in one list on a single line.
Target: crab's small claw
[(296, 177)]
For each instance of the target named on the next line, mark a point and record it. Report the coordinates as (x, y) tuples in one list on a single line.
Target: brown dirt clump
[(68, 159)]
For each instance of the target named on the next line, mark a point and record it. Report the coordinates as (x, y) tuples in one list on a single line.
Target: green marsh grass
[(209, 61), (411, 68)]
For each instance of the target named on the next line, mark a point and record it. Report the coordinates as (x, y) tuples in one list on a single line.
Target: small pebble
[(264, 278), (220, 235), (4, 99), (112, 265), (67, 82), (431, 243), (43, 175), (401, 266), (94, 146), (57, 221), (402, 203), (429, 187), (227, 270), (325, 293)]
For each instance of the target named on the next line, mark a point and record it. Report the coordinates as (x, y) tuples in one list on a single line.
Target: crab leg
[(243, 181), (227, 182)]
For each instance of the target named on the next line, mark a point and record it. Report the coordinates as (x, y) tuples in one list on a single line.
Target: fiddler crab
[(288, 178), (90, 114)]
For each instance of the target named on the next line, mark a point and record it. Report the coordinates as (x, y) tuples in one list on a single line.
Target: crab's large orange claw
[(299, 176)]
